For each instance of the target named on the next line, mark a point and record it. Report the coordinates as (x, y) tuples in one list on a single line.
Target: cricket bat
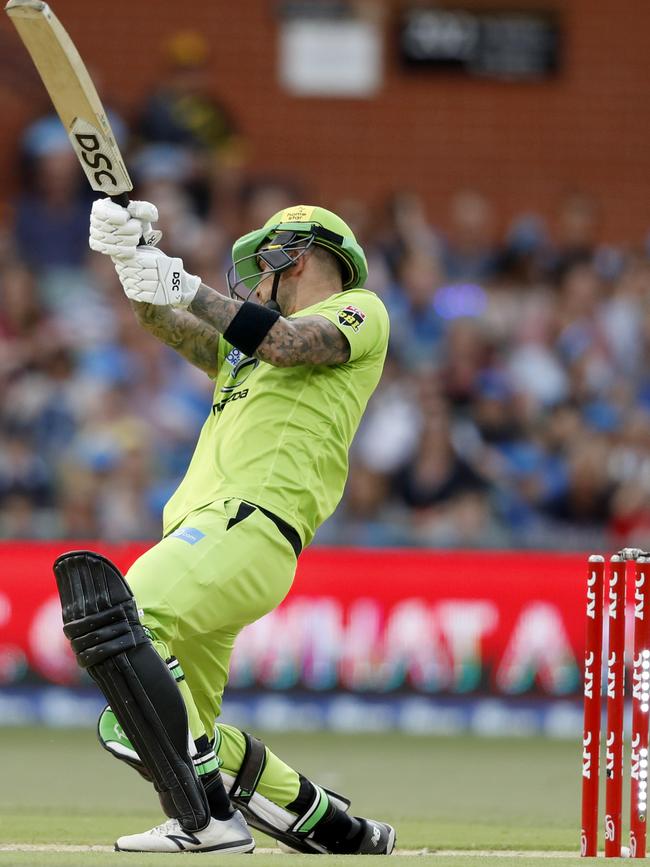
[(73, 95)]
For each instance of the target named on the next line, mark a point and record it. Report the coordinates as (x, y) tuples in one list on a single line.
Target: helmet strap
[(272, 303)]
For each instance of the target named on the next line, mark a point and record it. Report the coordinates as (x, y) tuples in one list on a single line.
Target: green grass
[(100, 859), (58, 786)]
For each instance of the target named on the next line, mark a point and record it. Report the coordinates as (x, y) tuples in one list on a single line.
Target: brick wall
[(523, 145)]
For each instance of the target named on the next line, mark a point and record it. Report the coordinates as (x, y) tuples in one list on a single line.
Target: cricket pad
[(101, 621)]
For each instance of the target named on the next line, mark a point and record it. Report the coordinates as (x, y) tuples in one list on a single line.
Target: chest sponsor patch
[(351, 317)]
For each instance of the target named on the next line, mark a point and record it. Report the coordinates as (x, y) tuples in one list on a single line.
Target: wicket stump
[(615, 704)]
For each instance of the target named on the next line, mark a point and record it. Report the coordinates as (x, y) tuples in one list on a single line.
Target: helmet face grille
[(246, 273), (275, 254)]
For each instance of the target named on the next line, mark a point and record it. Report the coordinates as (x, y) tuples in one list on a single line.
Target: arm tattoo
[(307, 340), (290, 342), (193, 339), (214, 308)]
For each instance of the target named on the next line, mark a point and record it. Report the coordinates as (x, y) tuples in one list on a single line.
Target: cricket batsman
[(295, 352)]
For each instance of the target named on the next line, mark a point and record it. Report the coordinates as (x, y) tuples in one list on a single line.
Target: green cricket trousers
[(224, 567)]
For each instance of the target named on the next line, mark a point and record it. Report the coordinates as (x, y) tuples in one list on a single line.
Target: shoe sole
[(232, 848), (392, 839)]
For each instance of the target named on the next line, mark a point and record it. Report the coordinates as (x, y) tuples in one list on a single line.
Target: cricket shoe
[(378, 838), (229, 835)]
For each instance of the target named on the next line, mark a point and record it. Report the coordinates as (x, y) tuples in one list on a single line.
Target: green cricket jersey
[(279, 437)]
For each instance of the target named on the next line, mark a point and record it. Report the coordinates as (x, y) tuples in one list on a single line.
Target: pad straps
[(252, 768)]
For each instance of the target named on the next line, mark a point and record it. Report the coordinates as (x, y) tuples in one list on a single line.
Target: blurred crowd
[(515, 405)]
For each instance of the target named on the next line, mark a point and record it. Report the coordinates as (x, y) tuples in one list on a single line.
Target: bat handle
[(123, 200)]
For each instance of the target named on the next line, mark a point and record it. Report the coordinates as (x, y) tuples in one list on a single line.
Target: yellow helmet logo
[(299, 214)]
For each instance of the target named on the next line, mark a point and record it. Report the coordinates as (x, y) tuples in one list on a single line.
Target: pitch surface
[(453, 799)]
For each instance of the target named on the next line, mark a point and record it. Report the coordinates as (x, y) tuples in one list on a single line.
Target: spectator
[(436, 474), (51, 225), (577, 225), (470, 251), (183, 110), (515, 398), (184, 120), (416, 327), (23, 473), (51, 220), (587, 497)]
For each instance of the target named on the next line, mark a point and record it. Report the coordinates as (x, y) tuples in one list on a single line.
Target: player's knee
[(158, 626)]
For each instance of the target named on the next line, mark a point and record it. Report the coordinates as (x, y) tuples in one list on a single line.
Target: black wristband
[(251, 324)]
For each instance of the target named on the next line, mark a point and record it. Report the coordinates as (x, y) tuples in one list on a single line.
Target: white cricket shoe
[(228, 835)]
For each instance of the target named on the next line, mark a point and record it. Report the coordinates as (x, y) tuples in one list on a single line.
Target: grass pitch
[(453, 795)]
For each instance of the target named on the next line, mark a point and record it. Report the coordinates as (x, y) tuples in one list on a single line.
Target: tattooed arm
[(193, 339), (307, 340), (290, 342)]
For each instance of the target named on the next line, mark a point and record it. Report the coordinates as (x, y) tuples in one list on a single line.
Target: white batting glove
[(147, 214), (116, 231), (154, 278)]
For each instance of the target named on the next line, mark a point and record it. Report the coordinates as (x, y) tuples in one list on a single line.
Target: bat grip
[(123, 200)]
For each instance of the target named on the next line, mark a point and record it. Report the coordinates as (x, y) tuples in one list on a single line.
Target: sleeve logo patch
[(234, 357), (351, 317)]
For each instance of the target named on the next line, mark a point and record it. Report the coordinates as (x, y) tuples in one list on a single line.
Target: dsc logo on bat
[(100, 158)]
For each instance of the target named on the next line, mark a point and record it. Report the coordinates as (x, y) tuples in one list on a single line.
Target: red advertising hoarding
[(373, 621)]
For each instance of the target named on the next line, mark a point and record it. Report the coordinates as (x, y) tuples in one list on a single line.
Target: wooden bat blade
[(73, 95)]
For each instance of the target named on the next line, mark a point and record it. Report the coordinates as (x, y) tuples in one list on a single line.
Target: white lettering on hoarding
[(325, 645), (50, 650), (538, 651)]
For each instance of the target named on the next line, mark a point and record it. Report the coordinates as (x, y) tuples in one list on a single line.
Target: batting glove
[(116, 231), (154, 278)]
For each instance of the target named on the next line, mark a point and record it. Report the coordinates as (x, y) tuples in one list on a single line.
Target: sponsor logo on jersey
[(242, 367), (188, 534), (351, 317), (240, 373), (234, 357), (236, 395)]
